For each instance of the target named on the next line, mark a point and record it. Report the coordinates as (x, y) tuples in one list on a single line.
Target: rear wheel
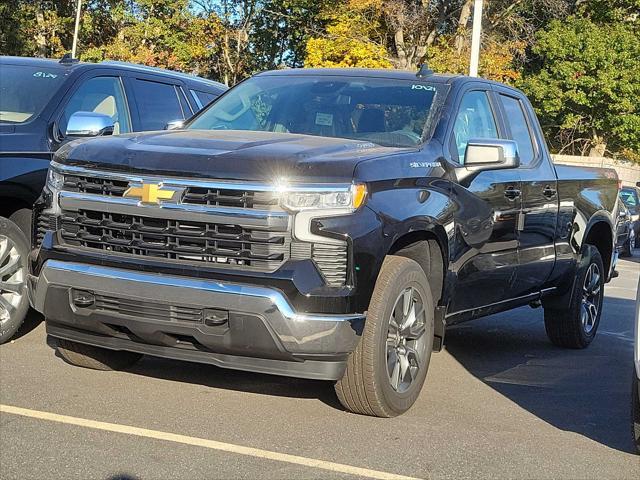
[(14, 302), (575, 325), (96, 358), (386, 372)]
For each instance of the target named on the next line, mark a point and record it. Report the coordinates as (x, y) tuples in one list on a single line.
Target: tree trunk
[(463, 20), (41, 38)]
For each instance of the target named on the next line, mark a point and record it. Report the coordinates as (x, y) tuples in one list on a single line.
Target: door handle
[(512, 193), (549, 192)]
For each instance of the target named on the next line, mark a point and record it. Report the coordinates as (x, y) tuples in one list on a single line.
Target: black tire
[(565, 326), (635, 410), (96, 358), (366, 386), (626, 250), (22, 218), (14, 304)]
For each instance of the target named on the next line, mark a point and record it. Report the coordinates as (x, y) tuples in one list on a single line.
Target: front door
[(489, 203)]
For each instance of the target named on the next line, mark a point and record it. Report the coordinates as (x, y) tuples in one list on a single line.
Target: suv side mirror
[(491, 154), (174, 125), (89, 124)]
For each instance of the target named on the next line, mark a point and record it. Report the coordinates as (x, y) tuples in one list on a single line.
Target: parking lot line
[(202, 442)]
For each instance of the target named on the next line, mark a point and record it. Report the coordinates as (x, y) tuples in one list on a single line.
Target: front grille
[(217, 197), (153, 310), (212, 197), (213, 243), (95, 185)]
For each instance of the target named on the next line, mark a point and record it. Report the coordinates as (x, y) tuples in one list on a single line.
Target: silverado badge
[(152, 193)]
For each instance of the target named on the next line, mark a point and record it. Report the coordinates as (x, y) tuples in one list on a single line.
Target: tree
[(585, 84), (349, 40)]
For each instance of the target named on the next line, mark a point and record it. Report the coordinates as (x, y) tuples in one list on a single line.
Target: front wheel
[(575, 325), (14, 303), (385, 373)]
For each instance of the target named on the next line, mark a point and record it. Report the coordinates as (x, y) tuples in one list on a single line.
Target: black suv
[(45, 104)]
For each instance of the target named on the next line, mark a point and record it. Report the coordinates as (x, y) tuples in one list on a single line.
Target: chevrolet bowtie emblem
[(153, 193)]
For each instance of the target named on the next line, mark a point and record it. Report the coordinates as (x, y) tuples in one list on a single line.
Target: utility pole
[(475, 38), (76, 29)]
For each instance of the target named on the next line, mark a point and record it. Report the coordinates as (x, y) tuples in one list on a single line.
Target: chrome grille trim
[(198, 183), (73, 201)]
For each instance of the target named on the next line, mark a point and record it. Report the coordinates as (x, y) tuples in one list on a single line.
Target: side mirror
[(89, 124), (174, 125), (491, 154)]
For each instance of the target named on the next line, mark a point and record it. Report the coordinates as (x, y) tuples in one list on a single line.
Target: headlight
[(55, 180), (349, 199)]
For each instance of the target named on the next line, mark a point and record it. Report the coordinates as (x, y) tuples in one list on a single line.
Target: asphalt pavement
[(500, 402)]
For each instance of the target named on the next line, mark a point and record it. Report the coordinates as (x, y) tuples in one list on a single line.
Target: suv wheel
[(14, 302), (95, 358), (575, 326), (385, 373)]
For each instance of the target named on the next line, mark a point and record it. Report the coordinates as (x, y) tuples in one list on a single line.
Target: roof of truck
[(75, 65)]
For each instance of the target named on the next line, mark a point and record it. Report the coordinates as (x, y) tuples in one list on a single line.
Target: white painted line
[(202, 442)]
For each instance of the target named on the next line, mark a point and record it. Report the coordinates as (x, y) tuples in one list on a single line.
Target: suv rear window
[(25, 91), (158, 104)]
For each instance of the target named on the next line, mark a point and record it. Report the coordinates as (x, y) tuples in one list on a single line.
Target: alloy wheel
[(406, 340), (591, 291), (12, 279)]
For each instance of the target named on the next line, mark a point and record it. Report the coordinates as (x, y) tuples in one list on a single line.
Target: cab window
[(519, 127), (100, 95), (474, 120)]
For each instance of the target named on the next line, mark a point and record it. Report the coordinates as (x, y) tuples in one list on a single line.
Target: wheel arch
[(599, 234)]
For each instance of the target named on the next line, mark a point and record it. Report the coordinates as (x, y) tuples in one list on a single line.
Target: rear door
[(537, 228), (155, 101), (489, 205)]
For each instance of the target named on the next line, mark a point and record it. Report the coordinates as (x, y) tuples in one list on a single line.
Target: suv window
[(158, 104), (474, 120), (519, 127), (101, 95)]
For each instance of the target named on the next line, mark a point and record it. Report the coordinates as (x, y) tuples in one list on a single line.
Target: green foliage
[(585, 84), (579, 61)]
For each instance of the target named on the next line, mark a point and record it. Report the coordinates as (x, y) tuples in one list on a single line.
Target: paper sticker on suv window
[(45, 75), (325, 119)]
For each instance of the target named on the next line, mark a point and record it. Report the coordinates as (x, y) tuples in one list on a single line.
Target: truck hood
[(227, 154)]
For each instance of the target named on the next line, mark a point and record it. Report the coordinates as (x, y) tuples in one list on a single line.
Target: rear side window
[(158, 104), (519, 127), (204, 98), (473, 120)]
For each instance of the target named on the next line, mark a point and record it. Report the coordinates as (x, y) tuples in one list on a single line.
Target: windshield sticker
[(325, 119), (420, 86), (45, 75)]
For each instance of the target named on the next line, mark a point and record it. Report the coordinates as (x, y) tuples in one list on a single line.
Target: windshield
[(24, 91), (388, 112)]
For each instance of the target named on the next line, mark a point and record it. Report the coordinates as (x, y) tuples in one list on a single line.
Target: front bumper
[(252, 328)]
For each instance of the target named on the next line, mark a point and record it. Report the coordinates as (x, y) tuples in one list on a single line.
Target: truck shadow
[(235, 380), (583, 391)]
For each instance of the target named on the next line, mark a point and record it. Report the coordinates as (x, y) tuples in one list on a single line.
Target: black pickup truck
[(325, 224)]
